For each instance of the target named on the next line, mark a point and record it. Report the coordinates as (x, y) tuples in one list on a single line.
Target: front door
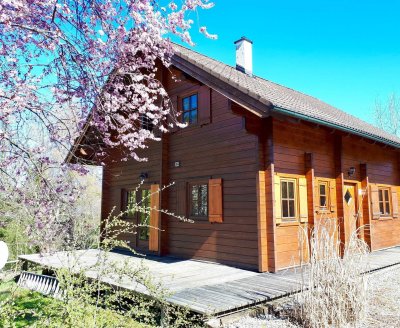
[(143, 220), (350, 210)]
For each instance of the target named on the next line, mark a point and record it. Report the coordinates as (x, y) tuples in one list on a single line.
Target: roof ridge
[(294, 102), (254, 75)]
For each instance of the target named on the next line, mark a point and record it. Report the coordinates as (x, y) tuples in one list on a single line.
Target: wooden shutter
[(303, 203), (204, 105), (376, 212), (181, 198), (215, 200), (154, 218), (278, 200), (395, 203), (332, 195)]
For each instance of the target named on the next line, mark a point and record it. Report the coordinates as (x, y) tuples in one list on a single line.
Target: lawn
[(23, 308), (25, 304)]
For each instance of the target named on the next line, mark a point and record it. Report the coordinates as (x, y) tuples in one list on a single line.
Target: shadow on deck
[(204, 287)]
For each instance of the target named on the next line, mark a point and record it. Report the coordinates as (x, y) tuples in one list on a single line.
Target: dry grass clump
[(333, 291)]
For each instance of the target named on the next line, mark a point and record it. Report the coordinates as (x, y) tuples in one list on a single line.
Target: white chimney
[(244, 55)]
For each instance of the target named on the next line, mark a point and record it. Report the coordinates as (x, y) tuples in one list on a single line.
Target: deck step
[(46, 285)]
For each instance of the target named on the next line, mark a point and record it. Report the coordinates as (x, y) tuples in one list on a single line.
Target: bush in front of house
[(334, 287)]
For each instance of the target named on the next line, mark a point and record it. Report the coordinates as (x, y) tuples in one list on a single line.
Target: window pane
[(193, 103), (380, 195), (387, 208), (322, 189), (291, 208), (131, 202), (144, 215), (199, 200), (387, 195), (381, 208), (291, 189), (146, 122), (284, 189), (186, 117), (193, 116), (203, 200), (195, 200), (322, 201), (285, 212), (186, 103)]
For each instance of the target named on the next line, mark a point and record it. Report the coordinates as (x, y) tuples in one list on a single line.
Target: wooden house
[(257, 162)]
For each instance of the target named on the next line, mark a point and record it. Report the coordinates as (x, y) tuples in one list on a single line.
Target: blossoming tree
[(64, 61)]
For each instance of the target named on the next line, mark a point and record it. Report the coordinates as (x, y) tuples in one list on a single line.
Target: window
[(198, 200), (131, 203), (189, 109), (288, 198), (384, 201), (144, 214), (146, 122), (323, 195)]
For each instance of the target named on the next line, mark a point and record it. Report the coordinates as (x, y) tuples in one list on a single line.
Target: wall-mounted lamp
[(143, 175), (351, 171)]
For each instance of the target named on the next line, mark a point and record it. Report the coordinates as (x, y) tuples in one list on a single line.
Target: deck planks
[(204, 287)]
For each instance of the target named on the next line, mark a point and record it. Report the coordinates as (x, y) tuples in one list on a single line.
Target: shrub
[(333, 290)]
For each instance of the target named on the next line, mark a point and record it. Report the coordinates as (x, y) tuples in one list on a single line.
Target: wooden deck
[(204, 287)]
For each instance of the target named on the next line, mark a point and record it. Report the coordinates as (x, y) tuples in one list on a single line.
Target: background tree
[(387, 114)]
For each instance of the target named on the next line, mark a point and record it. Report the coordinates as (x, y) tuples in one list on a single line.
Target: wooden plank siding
[(221, 149), (383, 169), (292, 141), (126, 175), (332, 156), (217, 148), (246, 154)]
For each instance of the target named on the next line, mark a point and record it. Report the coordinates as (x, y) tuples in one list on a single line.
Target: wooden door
[(350, 210), (143, 219)]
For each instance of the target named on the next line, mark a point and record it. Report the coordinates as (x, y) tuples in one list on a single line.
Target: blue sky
[(344, 52)]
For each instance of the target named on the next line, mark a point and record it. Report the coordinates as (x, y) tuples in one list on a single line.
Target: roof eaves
[(253, 104), (335, 126)]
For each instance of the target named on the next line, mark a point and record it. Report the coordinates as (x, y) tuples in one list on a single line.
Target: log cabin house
[(257, 161)]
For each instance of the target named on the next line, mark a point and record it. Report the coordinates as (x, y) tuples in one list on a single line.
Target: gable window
[(323, 194), (189, 109), (384, 201), (198, 200), (288, 199), (146, 122)]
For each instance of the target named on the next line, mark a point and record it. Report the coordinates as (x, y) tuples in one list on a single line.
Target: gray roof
[(285, 100)]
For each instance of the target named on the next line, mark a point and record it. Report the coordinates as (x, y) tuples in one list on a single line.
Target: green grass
[(27, 308), (25, 303)]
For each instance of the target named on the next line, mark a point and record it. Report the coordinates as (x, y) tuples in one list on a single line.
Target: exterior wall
[(220, 149), (118, 175), (292, 140), (383, 169), (251, 236)]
